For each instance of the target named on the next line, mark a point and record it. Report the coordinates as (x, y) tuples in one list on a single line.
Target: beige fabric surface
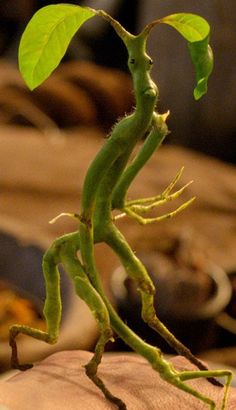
[(59, 382)]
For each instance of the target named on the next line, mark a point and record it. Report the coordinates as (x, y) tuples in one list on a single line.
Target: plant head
[(49, 32)]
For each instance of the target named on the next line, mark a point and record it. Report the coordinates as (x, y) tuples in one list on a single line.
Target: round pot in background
[(190, 294)]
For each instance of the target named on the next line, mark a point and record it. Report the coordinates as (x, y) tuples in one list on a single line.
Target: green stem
[(130, 338)]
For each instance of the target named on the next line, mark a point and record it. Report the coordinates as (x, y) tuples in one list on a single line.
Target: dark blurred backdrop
[(208, 125)]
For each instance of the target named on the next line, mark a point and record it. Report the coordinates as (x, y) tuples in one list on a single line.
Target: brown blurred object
[(109, 89), (78, 93), (16, 308)]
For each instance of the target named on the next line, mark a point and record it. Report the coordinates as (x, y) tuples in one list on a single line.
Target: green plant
[(108, 178)]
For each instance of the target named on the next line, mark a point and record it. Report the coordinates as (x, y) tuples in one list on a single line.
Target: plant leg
[(138, 273), (91, 297), (190, 375), (165, 369), (177, 379), (86, 291), (52, 310)]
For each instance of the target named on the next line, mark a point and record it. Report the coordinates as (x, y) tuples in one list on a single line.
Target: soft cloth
[(59, 382)]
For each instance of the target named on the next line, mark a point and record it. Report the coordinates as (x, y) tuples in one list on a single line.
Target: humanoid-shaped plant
[(108, 178)]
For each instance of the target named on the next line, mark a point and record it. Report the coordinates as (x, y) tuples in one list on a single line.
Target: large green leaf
[(46, 39), (196, 31)]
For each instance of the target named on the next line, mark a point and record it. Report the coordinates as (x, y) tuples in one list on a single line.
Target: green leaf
[(196, 31), (202, 57), (46, 39)]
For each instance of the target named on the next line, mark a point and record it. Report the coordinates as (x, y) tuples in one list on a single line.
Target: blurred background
[(207, 125), (49, 136)]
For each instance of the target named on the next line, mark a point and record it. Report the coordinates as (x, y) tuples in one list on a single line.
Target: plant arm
[(153, 141)]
